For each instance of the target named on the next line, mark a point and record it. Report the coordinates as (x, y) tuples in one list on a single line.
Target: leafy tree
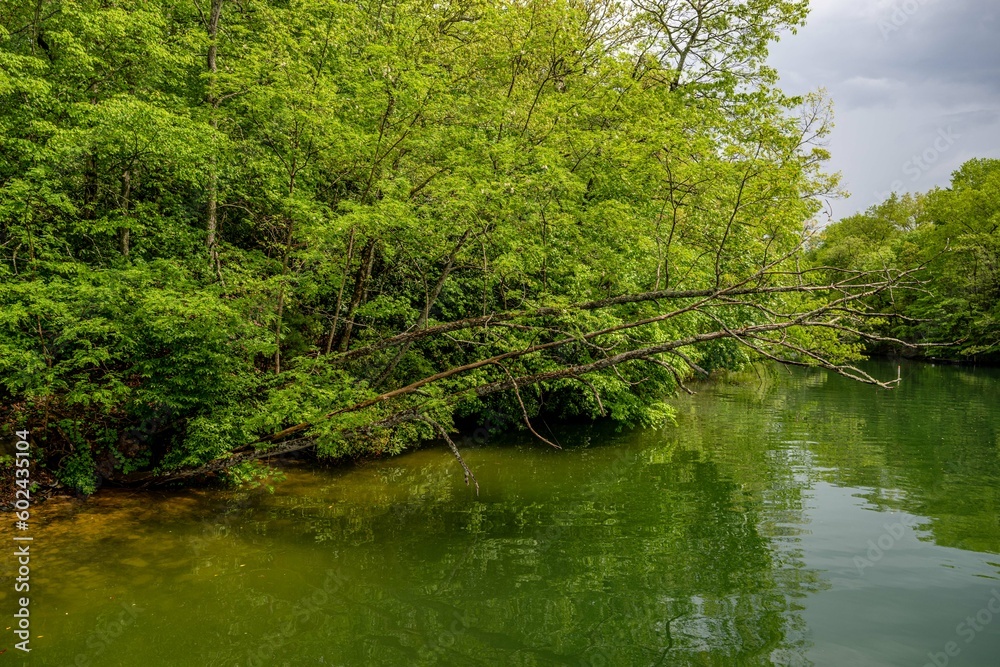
[(953, 233), (237, 228)]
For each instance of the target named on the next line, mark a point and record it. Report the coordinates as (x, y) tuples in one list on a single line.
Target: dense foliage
[(227, 223), (954, 234)]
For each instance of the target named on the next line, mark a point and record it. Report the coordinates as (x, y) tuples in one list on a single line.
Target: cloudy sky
[(915, 84)]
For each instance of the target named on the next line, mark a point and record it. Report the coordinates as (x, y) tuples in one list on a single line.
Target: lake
[(790, 518)]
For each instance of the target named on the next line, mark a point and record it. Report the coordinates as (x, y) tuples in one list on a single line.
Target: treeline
[(237, 227), (953, 235)]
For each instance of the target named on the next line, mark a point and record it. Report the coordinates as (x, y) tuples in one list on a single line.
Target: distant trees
[(954, 233), (354, 222)]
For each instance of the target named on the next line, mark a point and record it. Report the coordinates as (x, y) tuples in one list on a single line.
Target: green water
[(742, 536)]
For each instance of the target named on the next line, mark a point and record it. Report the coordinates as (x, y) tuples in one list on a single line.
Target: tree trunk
[(360, 284), (123, 232), (212, 99), (340, 293), (290, 228), (428, 302)]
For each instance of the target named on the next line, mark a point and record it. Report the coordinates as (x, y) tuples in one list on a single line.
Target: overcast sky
[(915, 84)]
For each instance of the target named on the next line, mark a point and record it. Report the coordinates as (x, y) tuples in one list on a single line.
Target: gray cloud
[(900, 74)]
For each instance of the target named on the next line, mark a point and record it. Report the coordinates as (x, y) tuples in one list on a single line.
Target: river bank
[(469, 435), (798, 518)]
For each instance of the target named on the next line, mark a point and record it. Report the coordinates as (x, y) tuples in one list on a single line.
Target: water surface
[(793, 519)]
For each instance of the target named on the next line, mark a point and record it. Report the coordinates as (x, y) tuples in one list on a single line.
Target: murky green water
[(796, 520)]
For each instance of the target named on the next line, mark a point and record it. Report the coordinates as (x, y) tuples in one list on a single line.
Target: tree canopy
[(238, 227), (952, 235)]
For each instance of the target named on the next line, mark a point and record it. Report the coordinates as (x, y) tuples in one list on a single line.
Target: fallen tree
[(839, 307)]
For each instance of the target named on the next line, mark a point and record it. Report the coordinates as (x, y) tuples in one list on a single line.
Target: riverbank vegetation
[(231, 229), (954, 235)]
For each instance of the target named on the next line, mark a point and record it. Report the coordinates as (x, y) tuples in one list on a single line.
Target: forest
[(233, 229), (953, 235)]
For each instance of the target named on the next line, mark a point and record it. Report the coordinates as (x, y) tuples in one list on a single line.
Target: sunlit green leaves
[(187, 238)]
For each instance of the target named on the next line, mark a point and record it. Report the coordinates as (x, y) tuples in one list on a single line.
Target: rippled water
[(793, 519)]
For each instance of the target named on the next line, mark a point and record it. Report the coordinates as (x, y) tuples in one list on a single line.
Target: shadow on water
[(793, 519)]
